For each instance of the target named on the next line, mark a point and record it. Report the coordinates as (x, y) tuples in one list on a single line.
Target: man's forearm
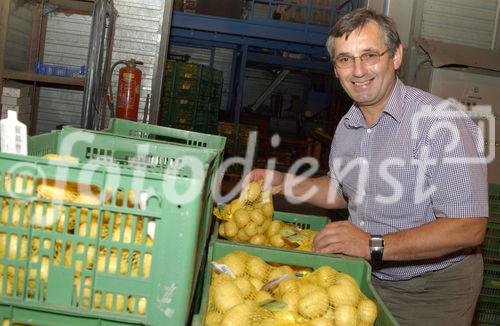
[(316, 191), (435, 239)]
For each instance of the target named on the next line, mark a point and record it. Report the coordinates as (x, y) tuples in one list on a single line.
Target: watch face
[(376, 242)]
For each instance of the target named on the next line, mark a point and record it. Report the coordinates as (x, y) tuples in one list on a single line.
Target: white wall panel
[(460, 21), (18, 36), (66, 44)]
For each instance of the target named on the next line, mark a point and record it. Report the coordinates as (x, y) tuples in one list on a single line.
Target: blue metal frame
[(262, 29), (246, 37)]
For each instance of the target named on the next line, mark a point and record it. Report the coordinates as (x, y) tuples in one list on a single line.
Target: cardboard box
[(14, 89), (19, 101), (18, 108)]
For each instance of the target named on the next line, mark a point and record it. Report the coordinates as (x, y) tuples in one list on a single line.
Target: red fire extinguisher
[(129, 89)]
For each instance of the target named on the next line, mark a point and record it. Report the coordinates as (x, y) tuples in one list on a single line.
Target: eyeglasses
[(368, 58)]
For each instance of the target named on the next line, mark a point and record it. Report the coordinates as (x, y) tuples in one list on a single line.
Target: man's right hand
[(272, 179)]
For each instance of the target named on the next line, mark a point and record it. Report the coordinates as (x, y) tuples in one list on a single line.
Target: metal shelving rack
[(36, 49), (262, 39)]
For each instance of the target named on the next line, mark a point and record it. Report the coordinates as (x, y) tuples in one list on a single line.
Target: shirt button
[(369, 130), (362, 223)]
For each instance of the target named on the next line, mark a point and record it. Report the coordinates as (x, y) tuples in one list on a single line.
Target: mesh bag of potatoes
[(249, 219), (247, 291)]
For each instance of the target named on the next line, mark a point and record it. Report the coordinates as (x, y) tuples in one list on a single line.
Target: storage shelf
[(29, 76), (82, 5)]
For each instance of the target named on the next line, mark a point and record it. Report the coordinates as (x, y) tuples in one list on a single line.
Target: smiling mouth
[(362, 83)]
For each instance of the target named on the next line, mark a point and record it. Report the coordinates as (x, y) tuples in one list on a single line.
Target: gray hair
[(358, 18)]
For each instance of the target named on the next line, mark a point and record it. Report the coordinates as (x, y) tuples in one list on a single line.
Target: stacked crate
[(488, 307), (238, 136), (16, 97), (191, 97)]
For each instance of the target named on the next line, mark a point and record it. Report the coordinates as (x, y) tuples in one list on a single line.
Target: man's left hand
[(343, 238)]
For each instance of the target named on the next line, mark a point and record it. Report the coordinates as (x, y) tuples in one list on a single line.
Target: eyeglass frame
[(379, 54)]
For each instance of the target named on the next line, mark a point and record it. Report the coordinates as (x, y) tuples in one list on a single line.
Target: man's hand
[(272, 179), (343, 238)]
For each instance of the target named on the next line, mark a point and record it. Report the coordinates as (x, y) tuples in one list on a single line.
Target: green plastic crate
[(38, 316), (359, 269), (494, 198), (491, 243), (305, 222), (488, 306), (192, 141), (237, 136), (170, 135), (121, 164), (487, 311), (193, 70)]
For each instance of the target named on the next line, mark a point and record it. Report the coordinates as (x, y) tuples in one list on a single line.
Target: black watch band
[(376, 250)]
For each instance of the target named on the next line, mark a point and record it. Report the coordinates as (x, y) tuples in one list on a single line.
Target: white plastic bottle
[(13, 135)]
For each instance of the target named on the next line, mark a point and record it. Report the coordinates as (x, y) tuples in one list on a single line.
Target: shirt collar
[(394, 108)]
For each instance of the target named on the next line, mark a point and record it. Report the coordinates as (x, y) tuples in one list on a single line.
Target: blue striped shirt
[(408, 169)]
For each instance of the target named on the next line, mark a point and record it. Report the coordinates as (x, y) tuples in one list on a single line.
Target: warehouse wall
[(18, 36), (258, 80), (460, 21), (137, 36)]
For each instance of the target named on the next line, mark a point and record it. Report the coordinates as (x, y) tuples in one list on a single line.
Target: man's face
[(369, 86)]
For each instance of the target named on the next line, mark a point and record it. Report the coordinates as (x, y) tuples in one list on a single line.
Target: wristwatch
[(376, 249)]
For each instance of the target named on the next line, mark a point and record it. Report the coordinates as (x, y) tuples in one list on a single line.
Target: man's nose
[(359, 68)]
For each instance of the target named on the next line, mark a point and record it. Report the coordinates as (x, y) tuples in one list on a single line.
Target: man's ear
[(398, 57), (335, 71)]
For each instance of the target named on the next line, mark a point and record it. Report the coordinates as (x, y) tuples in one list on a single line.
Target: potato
[(245, 286), (313, 304), (257, 216), (241, 217), (367, 311), (274, 228), (225, 295), (267, 209), (292, 300), (345, 316), (324, 276), (286, 286), (238, 315), (343, 294), (222, 233), (242, 236), (230, 229), (320, 322), (277, 241), (236, 262), (307, 288), (251, 229), (258, 239), (267, 222), (251, 192), (257, 268), (213, 318)]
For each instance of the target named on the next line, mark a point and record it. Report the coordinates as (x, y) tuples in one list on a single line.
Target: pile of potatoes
[(249, 219), (251, 292)]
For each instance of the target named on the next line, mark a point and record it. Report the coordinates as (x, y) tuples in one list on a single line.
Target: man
[(416, 194)]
